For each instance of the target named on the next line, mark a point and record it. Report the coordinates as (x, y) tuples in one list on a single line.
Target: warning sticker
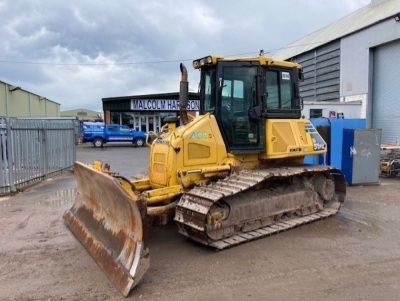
[(286, 75)]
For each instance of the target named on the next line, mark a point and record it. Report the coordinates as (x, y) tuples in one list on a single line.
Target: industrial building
[(18, 102), (146, 112), (83, 114), (351, 68)]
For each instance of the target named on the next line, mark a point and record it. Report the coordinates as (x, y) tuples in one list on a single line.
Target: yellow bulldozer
[(231, 175)]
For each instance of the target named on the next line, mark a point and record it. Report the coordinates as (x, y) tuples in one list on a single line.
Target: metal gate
[(33, 150), (386, 91)]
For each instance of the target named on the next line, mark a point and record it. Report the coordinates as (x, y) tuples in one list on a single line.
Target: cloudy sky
[(76, 52)]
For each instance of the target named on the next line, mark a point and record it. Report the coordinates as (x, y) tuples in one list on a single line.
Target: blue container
[(331, 130), (337, 127), (361, 156)]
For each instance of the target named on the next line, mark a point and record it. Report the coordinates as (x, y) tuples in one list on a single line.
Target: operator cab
[(243, 92)]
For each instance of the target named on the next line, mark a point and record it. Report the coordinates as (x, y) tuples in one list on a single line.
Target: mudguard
[(111, 225)]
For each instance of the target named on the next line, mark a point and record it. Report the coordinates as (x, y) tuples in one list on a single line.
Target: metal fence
[(34, 149)]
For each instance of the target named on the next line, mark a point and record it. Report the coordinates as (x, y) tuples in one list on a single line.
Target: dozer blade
[(111, 226)]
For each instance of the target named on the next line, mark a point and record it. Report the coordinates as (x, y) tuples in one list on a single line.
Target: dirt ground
[(354, 255)]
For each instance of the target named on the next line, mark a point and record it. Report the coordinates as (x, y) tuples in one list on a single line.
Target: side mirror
[(301, 75)]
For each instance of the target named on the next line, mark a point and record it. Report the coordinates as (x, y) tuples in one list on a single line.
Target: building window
[(115, 117), (128, 119), (315, 113)]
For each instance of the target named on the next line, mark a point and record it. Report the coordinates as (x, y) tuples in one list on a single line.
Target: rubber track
[(192, 209)]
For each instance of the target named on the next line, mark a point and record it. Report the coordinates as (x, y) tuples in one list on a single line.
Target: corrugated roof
[(362, 18)]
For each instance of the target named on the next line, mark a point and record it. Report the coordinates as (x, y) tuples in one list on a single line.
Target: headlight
[(196, 64), (199, 63)]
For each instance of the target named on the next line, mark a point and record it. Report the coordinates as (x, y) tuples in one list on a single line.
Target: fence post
[(45, 149), (10, 154)]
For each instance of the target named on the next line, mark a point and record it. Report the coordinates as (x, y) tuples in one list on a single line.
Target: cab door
[(239, 86)]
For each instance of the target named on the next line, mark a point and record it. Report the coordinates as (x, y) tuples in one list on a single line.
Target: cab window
[(279, 90), (209, 91)]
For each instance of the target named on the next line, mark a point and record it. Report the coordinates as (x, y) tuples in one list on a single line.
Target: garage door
[(386, 91)]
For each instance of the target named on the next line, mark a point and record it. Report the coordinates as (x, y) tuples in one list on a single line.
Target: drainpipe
[(183, 95), (30, 104), (6, 91)]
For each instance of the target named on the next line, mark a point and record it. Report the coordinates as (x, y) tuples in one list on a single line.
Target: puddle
[(59, 198), (3, 199)]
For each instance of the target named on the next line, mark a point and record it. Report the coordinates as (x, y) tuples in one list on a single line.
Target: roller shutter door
[(386, 91)]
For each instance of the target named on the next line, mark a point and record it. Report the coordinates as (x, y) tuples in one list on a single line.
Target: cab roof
[(262, 60)]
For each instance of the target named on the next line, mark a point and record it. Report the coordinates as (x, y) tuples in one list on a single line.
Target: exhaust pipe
[(183, 95)]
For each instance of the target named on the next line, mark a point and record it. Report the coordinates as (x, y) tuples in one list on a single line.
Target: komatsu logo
[(160, 141)]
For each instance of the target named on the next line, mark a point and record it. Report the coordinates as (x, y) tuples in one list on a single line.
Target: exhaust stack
[(183, 95)]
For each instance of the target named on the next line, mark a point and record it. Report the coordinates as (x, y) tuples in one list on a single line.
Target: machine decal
[(160, 141), (198, 135), (318, 142), (318, 145), (286, 75)]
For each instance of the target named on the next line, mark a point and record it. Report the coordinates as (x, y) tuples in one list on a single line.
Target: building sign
[(162, 105)]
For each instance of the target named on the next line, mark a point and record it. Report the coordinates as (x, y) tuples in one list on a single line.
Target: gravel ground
[(354, 255)]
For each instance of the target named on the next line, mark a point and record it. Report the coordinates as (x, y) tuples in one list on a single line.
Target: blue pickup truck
[(99, 134)]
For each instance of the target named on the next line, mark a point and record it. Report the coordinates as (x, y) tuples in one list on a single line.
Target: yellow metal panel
[(198, 151), (158, 157), (292, 138), (302, 131), (187, 149), (282, 136), (157, 167), (203, 144), (160, 168), (141, 185), (163, 194)]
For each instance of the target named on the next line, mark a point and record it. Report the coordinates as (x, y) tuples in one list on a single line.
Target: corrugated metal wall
[(17, 102), (321, 68), (33, 150), (386, 91)]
